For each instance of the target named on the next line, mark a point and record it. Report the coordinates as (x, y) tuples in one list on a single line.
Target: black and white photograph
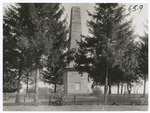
[(74, 56)]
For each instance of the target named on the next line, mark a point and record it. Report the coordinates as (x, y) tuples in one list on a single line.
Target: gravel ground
[(76, 108)]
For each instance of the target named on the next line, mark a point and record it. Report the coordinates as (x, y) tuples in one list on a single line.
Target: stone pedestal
[(75, 83)]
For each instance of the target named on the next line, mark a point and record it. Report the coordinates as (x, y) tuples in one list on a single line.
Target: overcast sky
[(138, 20)]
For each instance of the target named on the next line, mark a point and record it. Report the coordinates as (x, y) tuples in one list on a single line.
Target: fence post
[(134, 99), (109, 98), (97, 100), (50, 99), (24, 100), (123, 99)]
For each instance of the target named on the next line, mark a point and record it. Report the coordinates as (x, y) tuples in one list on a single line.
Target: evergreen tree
[(143, 58), (15, 42), (10, 61), (28, 78), (55, 61), (49, 32), (9, 82), (53, 70), (30, 32), (96, 54), (127, 60)]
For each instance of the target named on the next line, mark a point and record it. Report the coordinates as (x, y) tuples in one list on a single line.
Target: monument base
[(74, 82)]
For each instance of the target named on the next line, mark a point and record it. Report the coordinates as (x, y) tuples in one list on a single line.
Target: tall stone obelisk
[(74, 82), (75, 29)]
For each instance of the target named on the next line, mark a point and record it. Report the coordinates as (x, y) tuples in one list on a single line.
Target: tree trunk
[(118, 88), (36, 21), (36, 82), (55, 86), (96, 89), (129, 88), (106, 84), (122, 83), (27, 86), (129, 91), (109, 79), (18, 84), (121, 87), (144, 90)]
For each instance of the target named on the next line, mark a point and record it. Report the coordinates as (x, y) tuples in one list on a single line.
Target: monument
[(74, 82)]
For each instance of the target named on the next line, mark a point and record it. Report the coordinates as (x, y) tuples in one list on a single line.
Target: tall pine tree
[(143, 58), (30, 32), (49, 35), (15, 41), (96, 54)]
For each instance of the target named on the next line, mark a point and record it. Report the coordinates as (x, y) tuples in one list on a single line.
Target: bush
[(31, 90), (126, 92), (97, 90), (60, 89), (5, 96), (61, 100), (43, 92)]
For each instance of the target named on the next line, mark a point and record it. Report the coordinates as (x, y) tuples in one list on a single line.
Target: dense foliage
[(109, 55), (33, 32)]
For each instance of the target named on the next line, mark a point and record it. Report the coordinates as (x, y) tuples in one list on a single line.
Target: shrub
[(43, 92), (97, 90), (60, 89), (126, 92)]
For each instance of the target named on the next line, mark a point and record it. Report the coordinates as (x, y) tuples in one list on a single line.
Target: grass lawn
[(76, 108)]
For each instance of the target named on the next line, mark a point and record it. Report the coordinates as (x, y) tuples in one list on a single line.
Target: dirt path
[(76, 108)]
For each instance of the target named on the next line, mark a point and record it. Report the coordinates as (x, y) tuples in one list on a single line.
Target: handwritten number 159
[(135, 8)]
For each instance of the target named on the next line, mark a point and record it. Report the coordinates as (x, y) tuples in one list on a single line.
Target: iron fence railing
[(83, 99)]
